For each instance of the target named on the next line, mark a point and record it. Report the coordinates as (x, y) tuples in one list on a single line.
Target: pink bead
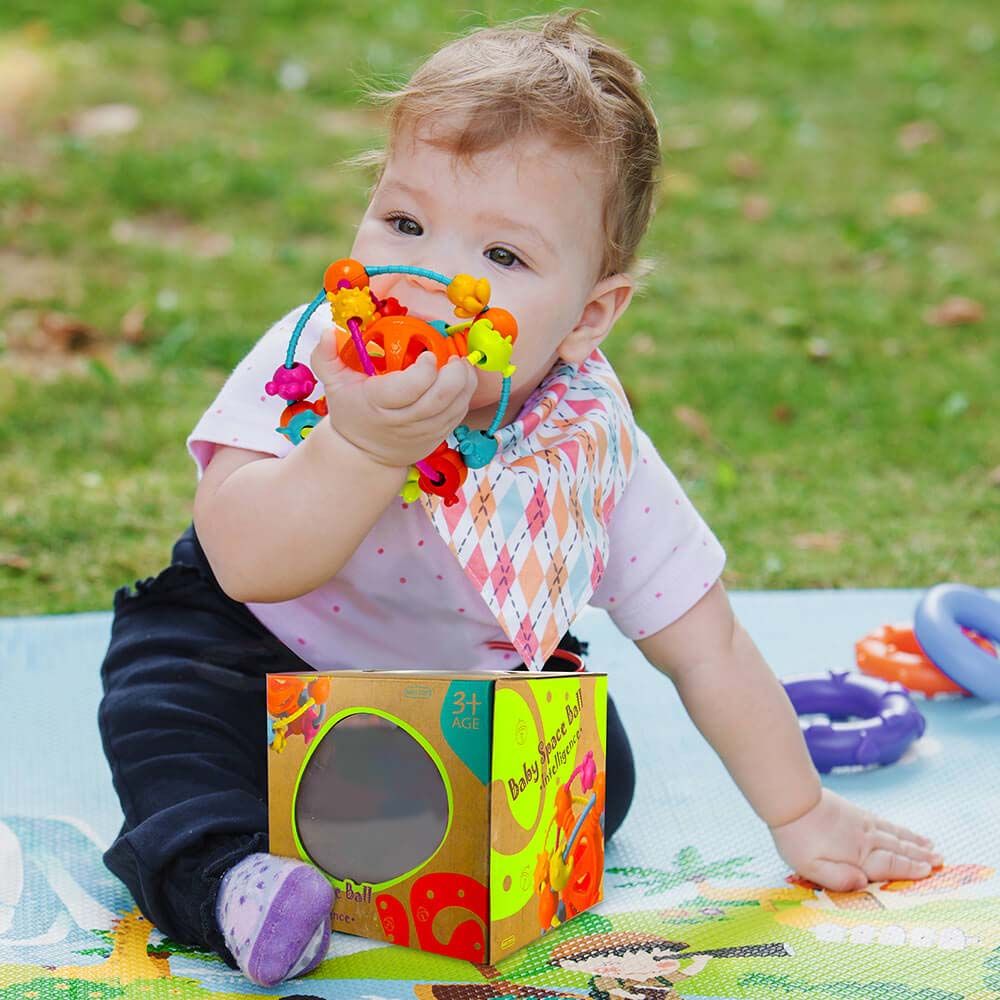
[(293, 383)]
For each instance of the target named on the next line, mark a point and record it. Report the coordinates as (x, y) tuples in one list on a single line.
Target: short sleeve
[(663, 557), (243, 415)]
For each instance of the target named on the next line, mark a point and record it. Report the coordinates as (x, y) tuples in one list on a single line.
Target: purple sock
[(275, 916)]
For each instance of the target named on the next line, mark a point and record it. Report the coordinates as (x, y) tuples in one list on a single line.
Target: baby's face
[(528, 217)]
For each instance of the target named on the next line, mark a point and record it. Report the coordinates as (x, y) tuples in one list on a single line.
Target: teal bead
[(477, 448)]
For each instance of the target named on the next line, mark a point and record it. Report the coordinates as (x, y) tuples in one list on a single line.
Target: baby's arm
[(742, 710), (274, 529)]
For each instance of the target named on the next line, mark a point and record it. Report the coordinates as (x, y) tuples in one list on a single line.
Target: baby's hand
[(397, 418), (843, 848)]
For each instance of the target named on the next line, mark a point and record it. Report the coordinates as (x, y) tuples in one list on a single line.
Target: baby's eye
[(405, 225), (503, 257)]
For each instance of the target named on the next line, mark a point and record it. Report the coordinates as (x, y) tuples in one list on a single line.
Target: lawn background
[(815, 354)]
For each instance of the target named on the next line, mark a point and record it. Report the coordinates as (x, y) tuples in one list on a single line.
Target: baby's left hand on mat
[(842, 847)]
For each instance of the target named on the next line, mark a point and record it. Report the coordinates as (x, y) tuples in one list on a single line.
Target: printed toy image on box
[(461, 814)]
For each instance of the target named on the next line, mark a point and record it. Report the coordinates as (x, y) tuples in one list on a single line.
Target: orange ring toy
[(893, 653), (398, 342)]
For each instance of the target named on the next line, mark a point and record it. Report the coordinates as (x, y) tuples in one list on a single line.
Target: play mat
[(692, 873)]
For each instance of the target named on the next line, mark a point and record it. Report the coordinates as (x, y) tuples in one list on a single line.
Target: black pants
[(180, 720)]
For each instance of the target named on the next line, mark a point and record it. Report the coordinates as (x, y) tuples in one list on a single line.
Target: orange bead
[(345, 269), (502, 321)]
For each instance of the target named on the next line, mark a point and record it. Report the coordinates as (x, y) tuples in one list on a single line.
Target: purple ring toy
[(883, 720), (938, 623)]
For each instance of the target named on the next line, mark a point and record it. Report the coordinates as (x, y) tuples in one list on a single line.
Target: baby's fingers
[(454, 385), (324, 360), (400, 389), (904, 834), (834, 875), (886, 865), (881, 839)]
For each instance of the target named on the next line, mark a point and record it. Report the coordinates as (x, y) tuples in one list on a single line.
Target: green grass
[(884, 449)]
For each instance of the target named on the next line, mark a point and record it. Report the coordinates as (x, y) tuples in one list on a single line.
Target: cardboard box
[(457, 813)]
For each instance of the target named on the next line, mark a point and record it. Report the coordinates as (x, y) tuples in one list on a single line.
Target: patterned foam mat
[(697, 902)]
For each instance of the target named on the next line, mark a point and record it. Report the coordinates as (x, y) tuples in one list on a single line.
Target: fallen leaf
[(756, 207), (135, 14), (826, 541), (819, 349), (105, 119), (789, 319), (694, 422), (742, 166), (643, 343), (907, 204), (27, 279), (14, 561), (133, 325), (782, 414), (195, 31), (994, 477), (915, 134), (45, 345), (68, 334), (24, 77), (955, 311)]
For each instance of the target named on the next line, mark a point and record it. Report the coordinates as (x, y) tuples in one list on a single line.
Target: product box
[(457, 813)]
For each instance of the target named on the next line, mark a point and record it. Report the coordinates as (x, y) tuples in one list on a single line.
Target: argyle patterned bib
[(530, 528)]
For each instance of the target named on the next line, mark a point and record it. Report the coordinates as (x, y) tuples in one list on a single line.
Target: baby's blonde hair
[(546, 76)]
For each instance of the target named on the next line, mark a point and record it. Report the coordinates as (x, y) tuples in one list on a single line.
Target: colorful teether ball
[(376, 336)]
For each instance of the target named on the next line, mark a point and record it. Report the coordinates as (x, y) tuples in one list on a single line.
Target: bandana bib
[(530, 528)]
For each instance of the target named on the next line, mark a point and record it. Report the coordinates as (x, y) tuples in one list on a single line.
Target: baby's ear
[(607, 301)]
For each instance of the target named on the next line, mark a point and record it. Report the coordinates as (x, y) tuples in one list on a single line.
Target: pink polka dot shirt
[(403, 601)]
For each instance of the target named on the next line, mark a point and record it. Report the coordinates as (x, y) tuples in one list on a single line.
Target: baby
[(527, 155)]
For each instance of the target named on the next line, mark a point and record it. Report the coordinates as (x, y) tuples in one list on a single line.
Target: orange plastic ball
[(398, 342), (345, 269), (502, 321)]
